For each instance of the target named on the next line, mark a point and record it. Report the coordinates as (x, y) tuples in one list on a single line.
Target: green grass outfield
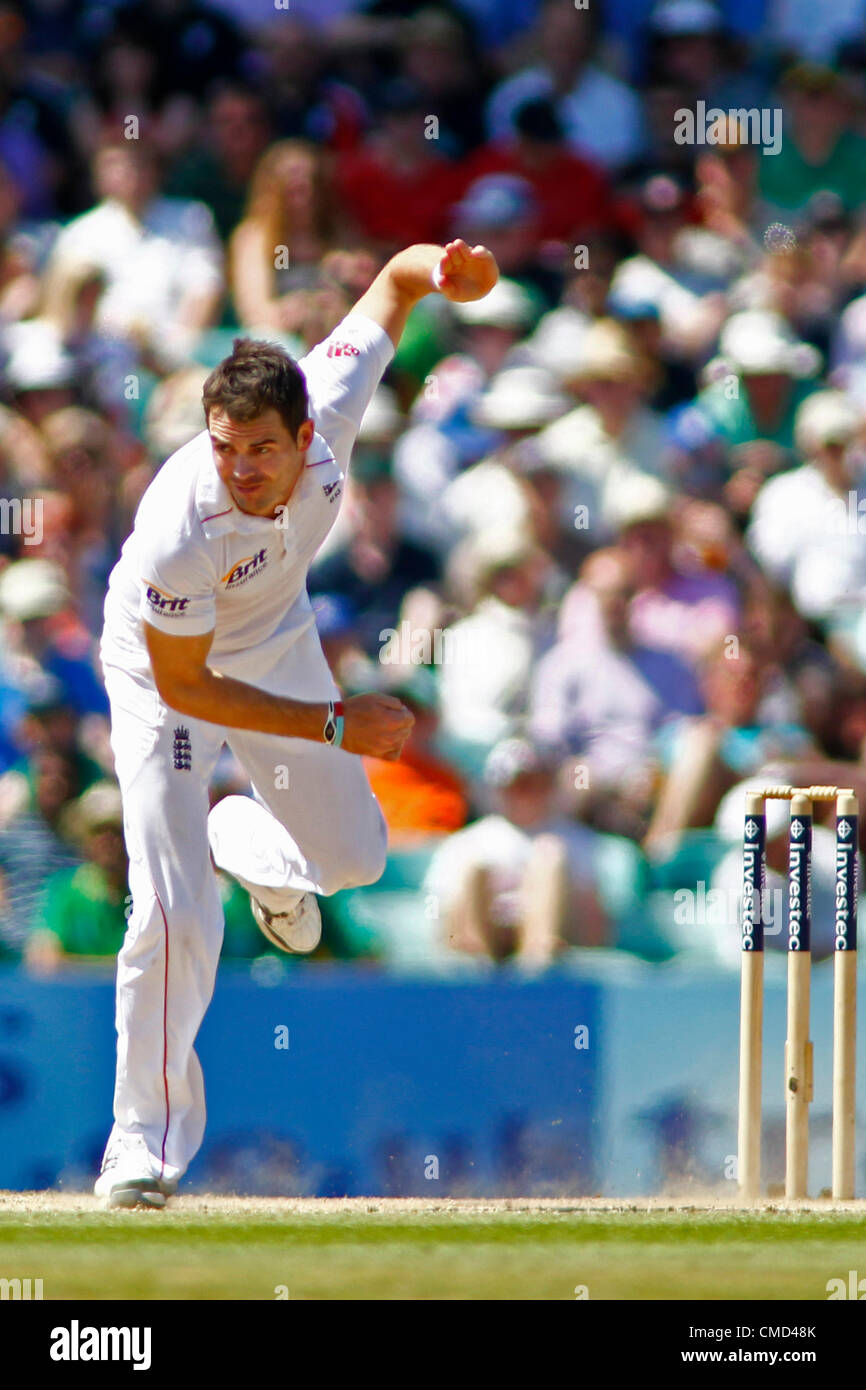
[(235, 1248)]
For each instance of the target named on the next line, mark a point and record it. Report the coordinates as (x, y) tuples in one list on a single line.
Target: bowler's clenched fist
[(376, 725)]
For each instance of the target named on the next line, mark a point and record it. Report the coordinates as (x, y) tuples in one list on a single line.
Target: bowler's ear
[(305, 435)]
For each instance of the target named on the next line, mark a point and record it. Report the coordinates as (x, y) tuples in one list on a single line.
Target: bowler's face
[(258, 460)]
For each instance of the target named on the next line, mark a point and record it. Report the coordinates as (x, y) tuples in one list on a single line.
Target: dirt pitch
[(218, 1203)]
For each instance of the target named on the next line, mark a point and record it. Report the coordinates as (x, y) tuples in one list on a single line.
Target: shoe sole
[(140, 1193), (280, 943)]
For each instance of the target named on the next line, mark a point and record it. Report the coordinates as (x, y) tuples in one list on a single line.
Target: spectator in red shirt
[(573, 194), (398, 187), (501, 211)]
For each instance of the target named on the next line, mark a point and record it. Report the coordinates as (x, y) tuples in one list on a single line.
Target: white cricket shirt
[(195, 563)]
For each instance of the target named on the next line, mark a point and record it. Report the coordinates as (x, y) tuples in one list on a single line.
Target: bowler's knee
[(363, 860)]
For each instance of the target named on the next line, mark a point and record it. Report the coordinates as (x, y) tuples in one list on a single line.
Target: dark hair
[(255, 377)]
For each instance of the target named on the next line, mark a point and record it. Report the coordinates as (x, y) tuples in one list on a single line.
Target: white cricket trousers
[(314, 826)]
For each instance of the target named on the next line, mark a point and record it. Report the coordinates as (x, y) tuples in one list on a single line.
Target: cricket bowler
[(210, 638)]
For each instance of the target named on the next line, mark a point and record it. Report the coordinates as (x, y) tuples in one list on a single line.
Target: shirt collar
[(213, 502)]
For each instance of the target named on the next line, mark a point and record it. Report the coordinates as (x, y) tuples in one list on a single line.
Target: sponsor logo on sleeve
[(343, 350), (332, 490), (245, 569), (168, 605)]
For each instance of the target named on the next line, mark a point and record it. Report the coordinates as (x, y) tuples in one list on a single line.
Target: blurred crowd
[(605, 531)]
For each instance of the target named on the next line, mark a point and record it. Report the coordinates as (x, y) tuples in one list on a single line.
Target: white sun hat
[(506, 306), (521, 398), (826, 417), (33, 588), (638, 498), (37, 359), (761, 342)]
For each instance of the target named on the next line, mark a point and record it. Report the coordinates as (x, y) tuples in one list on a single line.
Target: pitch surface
[(214, 1247)]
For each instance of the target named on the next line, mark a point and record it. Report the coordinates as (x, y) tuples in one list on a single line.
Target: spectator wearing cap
[(377, 565), (584, 299), (421, 797), (501, 211), (521, 881), (38, 370), (41, 633), (515, 485), (801, 530), (160, 257), (601, 115), (611, 437), (601, 695), (398, 186), (99, 364), (519, 402), (573, 194), (673, 271), (820, 151), (490, 329), (773, 373), (292, 219), (445, 434), (489, 654), (676, 381), (83, 910)]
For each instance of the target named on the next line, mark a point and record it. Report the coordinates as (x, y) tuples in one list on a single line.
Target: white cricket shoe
[(298, 931), (126, 1177)]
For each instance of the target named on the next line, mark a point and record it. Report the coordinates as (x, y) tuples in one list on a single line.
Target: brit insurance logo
[(166, 604), (245, 569)]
